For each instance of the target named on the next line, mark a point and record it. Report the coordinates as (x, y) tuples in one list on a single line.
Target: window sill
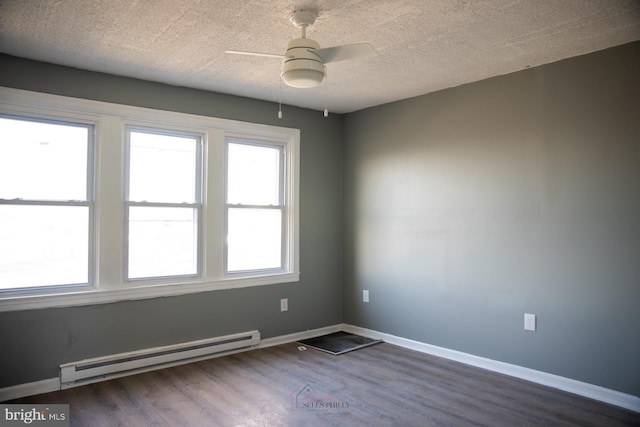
[(33, 301)]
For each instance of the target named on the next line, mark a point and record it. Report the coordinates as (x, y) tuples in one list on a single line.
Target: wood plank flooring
[(382, 385)]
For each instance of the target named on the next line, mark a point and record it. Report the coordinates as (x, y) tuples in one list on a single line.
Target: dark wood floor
[(376, 386)]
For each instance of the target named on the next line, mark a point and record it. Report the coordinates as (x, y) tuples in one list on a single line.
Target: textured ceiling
[(422, 45)]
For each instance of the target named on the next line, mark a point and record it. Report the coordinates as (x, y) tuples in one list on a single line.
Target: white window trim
[(110, 120)]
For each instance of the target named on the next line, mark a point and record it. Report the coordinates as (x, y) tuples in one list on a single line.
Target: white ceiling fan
[(304, 62)]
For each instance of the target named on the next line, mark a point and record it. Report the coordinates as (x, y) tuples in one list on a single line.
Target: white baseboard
[(29, 389), (53, 384), (591, 391)]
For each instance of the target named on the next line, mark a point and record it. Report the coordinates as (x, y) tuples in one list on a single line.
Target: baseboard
[(29, 389), (297, 336), (591, 391), (53, 384)]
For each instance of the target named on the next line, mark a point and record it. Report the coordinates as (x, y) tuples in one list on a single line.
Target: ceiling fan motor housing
[(302, 68)]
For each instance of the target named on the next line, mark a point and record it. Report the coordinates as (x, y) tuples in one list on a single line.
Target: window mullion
[(109, 194), (214, 205)]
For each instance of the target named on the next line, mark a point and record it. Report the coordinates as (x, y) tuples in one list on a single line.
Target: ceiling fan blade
[(267, 55), (346, 52)]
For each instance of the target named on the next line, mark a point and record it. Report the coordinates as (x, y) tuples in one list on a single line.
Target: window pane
[(253, 176), (254, 239), (44, 161), (43, 245), (162, 168), (162, 242)]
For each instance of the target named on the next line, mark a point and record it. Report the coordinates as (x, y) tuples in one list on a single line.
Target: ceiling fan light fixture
[(302, 68), (302, 77)]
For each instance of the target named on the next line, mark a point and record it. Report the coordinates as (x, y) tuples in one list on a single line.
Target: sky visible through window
[(254, 231), (163, 240), (45, 219), (43, 244)]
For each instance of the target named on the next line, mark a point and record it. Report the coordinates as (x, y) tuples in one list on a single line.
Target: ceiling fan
[(304, 63)]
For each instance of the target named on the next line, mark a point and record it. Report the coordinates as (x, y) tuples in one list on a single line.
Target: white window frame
[(108, 283), (283, 204), (88, 202), (196, 204)]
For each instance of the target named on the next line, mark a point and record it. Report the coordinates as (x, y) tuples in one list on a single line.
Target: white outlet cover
[(529, 322), (365, 295), (284, 304)]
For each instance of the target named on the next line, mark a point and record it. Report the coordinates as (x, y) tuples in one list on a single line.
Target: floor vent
[(118, 365)]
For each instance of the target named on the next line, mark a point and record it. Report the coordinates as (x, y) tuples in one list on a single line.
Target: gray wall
[(35, 342), (468, 207), (463, 209)]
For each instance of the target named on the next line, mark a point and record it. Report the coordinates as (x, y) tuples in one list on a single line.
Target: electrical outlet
[(529, 322), (284, 304), (365, 295)]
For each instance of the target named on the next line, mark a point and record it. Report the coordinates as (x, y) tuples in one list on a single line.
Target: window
[(45, 203), (102, 202), (163, 203), (254, 207)]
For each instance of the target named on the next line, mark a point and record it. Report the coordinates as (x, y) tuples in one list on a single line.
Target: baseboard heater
[(118, 365)]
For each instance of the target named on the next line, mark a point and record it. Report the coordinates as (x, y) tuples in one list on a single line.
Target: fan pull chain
[(280, 98), (326, 91)]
